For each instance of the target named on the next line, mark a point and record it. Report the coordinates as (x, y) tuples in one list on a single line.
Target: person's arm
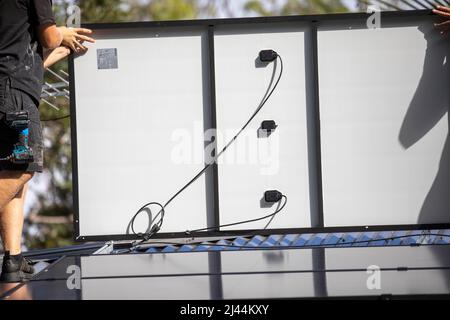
[(444, 27), (50, 36), (74, 37), (53, 56)]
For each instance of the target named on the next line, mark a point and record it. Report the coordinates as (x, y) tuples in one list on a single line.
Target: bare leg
[(11, 222), (12, 196), (11, 183)]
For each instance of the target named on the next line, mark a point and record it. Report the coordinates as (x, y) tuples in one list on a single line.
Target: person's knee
[(26, 176), (11, 182), (17, 178), (20, 175)]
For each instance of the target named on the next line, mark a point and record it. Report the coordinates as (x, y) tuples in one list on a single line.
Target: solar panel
[(293, 273), (355, 145), (384, 127)]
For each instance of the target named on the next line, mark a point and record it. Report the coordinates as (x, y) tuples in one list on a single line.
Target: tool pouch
[(17, 121)]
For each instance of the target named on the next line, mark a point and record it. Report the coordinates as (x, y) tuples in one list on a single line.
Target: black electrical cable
[(242, 222), (340, 244), (149, 233), (161, 213), (157, 227)]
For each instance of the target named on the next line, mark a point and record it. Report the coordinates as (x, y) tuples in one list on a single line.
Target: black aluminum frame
[(209, 24)]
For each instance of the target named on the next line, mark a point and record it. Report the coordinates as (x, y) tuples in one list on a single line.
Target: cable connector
[(267, 55), (268, 125), (146, 236), (272, 196), (154, 229)]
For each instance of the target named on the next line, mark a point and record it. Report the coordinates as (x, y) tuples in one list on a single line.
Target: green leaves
[(257, 7), (102, 10), (291, 7), (172, 9)]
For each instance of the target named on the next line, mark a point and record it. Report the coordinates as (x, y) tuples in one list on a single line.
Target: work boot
[(16, 268)]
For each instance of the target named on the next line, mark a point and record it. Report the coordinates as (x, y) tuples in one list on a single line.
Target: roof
[(274, 266), (308, 240)]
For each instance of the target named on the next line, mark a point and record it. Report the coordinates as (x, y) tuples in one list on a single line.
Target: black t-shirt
[(20, 52)]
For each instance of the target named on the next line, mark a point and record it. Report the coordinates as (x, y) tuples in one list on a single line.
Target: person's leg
[(15, 268), (11, 223), (11, 207)]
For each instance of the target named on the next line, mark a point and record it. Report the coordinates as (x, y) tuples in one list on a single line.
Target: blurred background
[(49, 204)]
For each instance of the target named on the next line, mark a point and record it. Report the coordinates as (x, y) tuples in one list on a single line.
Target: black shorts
[(12, 100)]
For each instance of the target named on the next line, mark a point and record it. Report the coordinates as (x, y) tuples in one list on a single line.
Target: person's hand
[(444, 27), (53, 56), (73, 38)]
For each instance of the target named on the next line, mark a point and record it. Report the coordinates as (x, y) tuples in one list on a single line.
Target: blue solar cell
[(440, 240), (302, 240), (410, 240), (363, 239), (332, 239), (271, 241), (169, 249), (347, 239), (394, 238), (240, 241), (288, 240), (427, 238), (223, 245), (186, 248), (202, 247), (224, 242), (152, 250), (256, 241), (382, 236), (316, 240), (446, 232), (397, 238)]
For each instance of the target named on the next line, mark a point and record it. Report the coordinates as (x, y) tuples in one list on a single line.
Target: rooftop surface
[(410, 263)]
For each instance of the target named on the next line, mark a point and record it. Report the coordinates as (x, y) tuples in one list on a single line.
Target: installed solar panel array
[(310, 240)]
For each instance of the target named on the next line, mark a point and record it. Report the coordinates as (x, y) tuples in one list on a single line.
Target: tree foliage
[(166, 10), (289, 7), (102, 10)]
